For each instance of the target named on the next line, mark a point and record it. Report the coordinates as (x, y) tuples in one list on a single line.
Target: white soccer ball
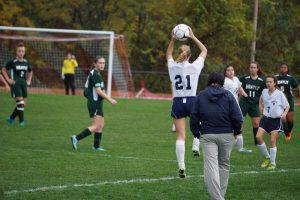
[(180, 32)]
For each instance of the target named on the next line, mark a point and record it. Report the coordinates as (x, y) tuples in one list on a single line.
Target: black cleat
[(196, 153), (182, 173)]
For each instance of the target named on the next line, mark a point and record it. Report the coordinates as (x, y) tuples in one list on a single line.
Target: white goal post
[(109, 34)]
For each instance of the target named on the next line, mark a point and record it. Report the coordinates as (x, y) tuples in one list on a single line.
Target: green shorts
[(292, 104), (19, 89), (249, 108), (95, 108)]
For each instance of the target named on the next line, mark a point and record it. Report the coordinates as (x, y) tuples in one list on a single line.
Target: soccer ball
[(180, 32)]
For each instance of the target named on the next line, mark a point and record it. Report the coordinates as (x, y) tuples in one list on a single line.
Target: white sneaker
[(243, 150), (74, 142)]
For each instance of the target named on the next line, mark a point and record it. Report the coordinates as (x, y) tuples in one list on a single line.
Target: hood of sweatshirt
[(215, 93)]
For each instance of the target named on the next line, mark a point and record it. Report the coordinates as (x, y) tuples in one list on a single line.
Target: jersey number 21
[(178, 82)]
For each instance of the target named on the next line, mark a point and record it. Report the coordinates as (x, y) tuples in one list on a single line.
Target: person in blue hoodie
[(216, 117)]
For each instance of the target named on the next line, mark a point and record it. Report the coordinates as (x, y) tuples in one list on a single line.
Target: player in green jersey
[(253, 84), (286, 83), (94, 92), (18, 80)]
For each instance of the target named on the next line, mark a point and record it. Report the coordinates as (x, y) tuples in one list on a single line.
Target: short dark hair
[(215, 78)]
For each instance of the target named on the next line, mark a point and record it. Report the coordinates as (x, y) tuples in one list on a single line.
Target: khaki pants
[(216, 150)]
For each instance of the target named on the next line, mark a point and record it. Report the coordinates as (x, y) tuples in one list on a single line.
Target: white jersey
[(233, 86), (274, 104), (184, 76)]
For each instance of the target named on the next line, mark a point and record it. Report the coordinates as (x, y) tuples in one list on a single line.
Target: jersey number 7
[(179, 85)]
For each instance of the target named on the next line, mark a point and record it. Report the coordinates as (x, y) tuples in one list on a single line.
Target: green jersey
[(253, 88), (94, 80), (18, 69), (286, 83)]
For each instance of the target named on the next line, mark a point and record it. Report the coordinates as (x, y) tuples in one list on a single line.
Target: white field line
[(144, 180)]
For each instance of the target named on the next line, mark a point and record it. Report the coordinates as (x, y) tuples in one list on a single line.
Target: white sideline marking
[(144, 180)]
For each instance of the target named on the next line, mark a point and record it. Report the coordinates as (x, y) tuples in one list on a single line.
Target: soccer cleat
[(271, 166), (22, 123), (74, 142), (196, 153), (182, 173), (98, 149), (288, 136), (10, 120), (266, 163), (243, 150)]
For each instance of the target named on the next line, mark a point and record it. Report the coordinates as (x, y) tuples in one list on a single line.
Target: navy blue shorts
[(271, 124), (182, 107)]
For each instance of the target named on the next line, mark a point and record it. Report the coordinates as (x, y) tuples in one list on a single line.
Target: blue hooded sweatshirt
[(215, 111)]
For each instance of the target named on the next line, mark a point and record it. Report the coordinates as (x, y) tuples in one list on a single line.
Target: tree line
[(224, 26)]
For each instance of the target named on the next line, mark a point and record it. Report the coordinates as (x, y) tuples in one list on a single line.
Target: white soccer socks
[(262, 147), (196, 143), (180, 151), (173, 128), (240, 142), (273, 152)]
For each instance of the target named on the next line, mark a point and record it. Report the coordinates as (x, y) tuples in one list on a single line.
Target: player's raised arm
[(169, 53), (198, 43)]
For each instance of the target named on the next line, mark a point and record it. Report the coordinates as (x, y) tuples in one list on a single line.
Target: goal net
[(46, 50)]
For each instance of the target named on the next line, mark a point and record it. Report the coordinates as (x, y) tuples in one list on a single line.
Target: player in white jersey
[(275, 107), (184, 77), (233, 85)]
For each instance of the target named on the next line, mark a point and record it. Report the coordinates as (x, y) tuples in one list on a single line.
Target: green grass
[(139, 146)]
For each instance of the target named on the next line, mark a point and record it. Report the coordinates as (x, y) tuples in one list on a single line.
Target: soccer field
[(37, 161)]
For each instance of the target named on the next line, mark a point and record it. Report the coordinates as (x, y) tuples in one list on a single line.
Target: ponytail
[(184, 52)]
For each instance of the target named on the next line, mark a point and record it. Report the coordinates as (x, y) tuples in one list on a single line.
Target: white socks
[(264, 150), (196, 143), (180, 151), (273, 152), (173, 128), (240, 142)]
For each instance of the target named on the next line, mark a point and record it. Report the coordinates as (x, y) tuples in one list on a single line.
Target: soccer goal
[(46, 50)]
